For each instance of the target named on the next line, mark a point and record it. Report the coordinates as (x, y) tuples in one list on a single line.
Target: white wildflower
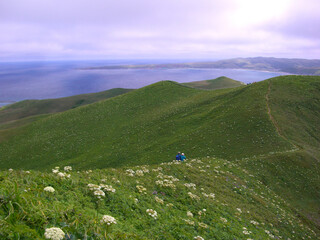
[(139, 173), (189, 214), (61, 175), (152, 213), (223, 220), (49, 189), (130, 172), (141, 189), (99, 193), (193, 196), (67, 168), (54, 233), (198, 238), (93, 187), (190, 185), (108, 220), (188, 221), (159, 200), (107, 188)]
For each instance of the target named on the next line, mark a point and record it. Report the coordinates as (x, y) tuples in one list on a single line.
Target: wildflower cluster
[(61, 174), (49, 189), (245, 231), (108, 220), (166, 181), (198, 238), (98, 190), (210, 195), (189, 214), (202, 212), (107, 188), (189, 222), (159, 200), (190, 185), (54, 233), (130, 172), (67, 168), (223, 219), (141, 189), (193, 196), (152, 213)]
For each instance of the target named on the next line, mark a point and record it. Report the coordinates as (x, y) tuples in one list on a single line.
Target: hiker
[(183, 157), (178, 157)]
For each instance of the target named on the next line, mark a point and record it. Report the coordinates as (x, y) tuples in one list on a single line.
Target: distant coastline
[(279, 65)]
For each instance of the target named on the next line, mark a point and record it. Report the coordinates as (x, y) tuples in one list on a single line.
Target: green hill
[(147, 125), (28, 108), (267, 134), (218, 83)]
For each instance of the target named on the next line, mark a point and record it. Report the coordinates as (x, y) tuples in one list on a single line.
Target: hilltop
[(217, 83)]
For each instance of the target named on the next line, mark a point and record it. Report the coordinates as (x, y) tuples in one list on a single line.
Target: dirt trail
[(274, 122)]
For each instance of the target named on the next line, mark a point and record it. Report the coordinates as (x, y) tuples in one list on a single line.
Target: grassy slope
[(147, 126), (291, 173), (218, 83), (242, 207), (295, 105), (29, 108)]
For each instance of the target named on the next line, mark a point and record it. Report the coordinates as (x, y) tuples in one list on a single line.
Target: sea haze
[(40, 80)]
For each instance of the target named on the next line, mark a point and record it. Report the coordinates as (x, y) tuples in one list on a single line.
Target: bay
[(41, 80)]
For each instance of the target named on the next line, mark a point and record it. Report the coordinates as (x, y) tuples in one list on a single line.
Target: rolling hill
[(28, 108), (151, 121), (218, 83), (257, 148)]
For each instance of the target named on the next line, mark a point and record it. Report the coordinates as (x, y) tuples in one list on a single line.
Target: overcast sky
[(177, 29)]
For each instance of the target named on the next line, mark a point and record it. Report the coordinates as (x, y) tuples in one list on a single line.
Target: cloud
[(151, 29)]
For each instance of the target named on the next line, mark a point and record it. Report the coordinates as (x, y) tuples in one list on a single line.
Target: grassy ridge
[(295, 104), (224, 200), (29, 108), (148, 125), (218, 83)]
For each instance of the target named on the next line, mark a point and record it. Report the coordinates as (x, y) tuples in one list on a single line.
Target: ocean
[(41, 80)]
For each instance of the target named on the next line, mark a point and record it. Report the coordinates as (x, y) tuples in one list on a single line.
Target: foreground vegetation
[(209, 198)]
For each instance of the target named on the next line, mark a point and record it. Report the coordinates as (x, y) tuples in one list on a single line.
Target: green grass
[(146, 126), (29, 108), (218, 83), (274, 177), (240, 201)]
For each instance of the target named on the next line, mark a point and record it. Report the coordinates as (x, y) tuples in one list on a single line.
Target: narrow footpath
[(274, 122)]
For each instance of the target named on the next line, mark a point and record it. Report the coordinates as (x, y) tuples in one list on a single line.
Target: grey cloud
[(144, 28)]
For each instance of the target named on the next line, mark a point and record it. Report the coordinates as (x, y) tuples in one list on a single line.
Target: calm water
[(39, 80)]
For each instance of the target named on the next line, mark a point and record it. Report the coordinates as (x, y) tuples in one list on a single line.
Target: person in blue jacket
[(183, 157), (178, 157)]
